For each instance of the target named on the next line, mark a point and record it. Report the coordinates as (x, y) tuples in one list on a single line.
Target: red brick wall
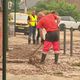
[(0, 34)]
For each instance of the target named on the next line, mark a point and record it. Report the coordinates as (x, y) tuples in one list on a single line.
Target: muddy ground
[(19, 68)]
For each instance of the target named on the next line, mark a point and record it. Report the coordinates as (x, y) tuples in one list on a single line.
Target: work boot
[(29, 40), (56, 58), (43, 58)]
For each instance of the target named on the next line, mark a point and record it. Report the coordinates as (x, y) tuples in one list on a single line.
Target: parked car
[(21, 22), (68, 22)]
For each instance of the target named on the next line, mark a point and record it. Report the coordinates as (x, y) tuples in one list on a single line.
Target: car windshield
[(67, 18), (19, 17)]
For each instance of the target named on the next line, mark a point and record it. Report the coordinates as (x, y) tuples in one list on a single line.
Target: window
[(65, 18)]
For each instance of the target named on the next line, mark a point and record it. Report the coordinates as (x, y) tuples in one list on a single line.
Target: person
[(50, 24), (32, 21), (40, 15)]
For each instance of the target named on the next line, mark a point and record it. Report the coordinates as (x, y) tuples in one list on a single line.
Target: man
[(50, 24), (40, 15), (32, 21)]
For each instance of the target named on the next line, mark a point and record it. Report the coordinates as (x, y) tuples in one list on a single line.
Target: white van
[(69, 22), (21, 22)]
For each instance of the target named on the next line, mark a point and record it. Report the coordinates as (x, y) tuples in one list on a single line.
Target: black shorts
[(52, 36)]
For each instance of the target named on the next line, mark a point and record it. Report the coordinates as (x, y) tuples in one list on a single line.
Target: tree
[(62, 7)]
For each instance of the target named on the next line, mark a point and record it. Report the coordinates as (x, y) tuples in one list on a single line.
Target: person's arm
[(28, 18), (58, 19), (40, 27), (41, 33)]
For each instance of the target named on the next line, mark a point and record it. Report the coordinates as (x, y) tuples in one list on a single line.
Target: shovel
[(33, 58)]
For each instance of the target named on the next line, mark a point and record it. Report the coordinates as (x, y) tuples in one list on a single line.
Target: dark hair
[(53, 12)]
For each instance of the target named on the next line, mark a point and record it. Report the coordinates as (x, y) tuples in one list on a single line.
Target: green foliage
[(62, 7)]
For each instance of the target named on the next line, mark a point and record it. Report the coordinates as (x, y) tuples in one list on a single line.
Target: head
[(33, 12), (54, 12), (41, 14)]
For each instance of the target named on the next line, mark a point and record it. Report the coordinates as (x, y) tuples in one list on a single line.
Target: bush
[(63, 8)]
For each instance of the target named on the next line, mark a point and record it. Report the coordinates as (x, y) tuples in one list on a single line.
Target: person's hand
[(42, 41)]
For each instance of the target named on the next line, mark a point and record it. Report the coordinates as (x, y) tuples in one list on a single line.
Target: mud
[(68, 66)]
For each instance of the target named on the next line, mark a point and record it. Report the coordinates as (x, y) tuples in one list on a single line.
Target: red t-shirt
[(48, 22)]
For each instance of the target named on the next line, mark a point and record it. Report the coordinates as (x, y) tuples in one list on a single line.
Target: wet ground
[(19, 68)]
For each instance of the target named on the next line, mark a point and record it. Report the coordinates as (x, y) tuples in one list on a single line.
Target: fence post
[(14, 17), (64, 41), (63, 28), (71, 41), (5, 36)]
